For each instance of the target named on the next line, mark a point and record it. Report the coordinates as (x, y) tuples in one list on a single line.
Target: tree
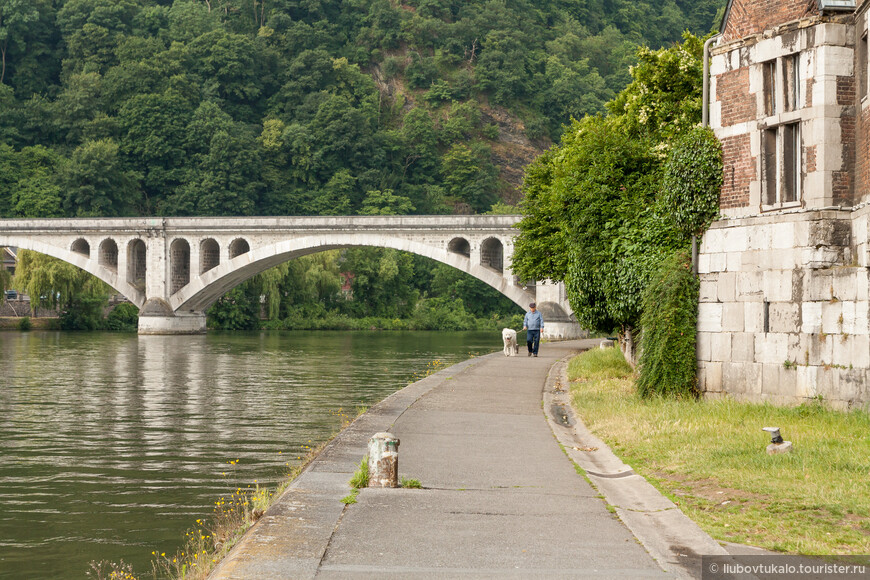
[(385, 203), (469, 175), (37, 193), (53, 283), (226, 180), (154, 134), (594, 216), (96, 183), (15, 17)]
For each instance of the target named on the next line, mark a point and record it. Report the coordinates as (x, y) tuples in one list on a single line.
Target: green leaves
[(693, 179), (670, 315), (604, 208), (96, 183)]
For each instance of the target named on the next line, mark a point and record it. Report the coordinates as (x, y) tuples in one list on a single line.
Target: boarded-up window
[(862, 67), (781, 164), (769, 166), (792, 84), (769, 88), (791, 152)]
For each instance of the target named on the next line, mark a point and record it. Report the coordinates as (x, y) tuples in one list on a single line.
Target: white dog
[(509, 337)]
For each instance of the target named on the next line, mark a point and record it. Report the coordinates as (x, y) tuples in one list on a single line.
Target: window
[(769, 73), (792, 84), (781, 81), (862, 67), (781, 165)]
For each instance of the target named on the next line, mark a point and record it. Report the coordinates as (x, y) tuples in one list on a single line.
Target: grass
[(360, 477), (359, 480), (709, 457), (210, 540), (411, 483)]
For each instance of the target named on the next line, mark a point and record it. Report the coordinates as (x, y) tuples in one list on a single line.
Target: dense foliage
[(292, 107), (595, 213), (669, 321), (622, 192)]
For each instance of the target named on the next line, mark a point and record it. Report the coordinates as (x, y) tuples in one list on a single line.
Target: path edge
[(337, 461), (672, 538)]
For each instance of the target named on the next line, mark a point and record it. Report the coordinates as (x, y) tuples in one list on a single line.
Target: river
[(114, 444)]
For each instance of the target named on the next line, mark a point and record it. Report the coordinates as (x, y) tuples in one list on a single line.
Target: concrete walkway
[(500, 497)]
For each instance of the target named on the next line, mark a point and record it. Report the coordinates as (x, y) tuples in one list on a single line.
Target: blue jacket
[(533, 321)]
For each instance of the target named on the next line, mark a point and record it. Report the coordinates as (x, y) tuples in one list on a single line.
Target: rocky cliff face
[(512, 149)]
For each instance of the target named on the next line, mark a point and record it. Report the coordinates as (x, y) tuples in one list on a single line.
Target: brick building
[(785, 296)]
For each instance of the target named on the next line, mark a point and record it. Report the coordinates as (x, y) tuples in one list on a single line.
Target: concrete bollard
[(777, 448), (384, 460)]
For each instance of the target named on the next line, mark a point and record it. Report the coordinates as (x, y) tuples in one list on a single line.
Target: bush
[(441, 314), (124, 317), (25, 324), (86, 313), (693, 179), (670, 313)]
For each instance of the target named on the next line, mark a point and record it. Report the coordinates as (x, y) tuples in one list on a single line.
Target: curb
[(674, 540)]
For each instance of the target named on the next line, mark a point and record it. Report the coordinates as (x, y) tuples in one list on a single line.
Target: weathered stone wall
[(825, 111), (784, 314), (754, 16)]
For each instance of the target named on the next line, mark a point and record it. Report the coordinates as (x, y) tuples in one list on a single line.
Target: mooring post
[(384, 460)]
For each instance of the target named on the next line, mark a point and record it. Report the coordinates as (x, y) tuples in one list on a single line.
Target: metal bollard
[(384, 460)]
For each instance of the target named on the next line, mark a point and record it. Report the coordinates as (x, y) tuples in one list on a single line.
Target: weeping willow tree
[(5, 283), (55, 284), (307, 279)]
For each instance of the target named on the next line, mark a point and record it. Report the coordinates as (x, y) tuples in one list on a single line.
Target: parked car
[(12, 295)]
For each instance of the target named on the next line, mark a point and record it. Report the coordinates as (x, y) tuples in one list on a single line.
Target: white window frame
[(782, 101), (788, 169)]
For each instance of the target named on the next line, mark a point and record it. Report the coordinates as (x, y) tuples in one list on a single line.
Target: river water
[(114, 444)]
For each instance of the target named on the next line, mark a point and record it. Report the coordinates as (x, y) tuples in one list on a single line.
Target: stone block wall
[(784, 313), (753, 16), (749, 103)]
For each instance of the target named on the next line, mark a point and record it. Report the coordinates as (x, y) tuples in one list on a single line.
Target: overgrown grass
[(210, 540), (709, 457)]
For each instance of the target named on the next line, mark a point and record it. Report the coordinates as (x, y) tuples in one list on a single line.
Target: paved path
[(500, 498)]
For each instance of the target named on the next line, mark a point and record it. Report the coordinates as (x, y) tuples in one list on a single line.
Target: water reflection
[(112, 445)]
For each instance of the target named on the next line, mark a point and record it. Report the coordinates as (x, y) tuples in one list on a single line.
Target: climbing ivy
[(606, 210), (669, 320), (693, 179)]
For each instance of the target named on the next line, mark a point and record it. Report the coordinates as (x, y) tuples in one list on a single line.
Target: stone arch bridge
[(175, 268)]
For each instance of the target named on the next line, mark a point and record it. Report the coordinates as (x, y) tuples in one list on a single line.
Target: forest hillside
[(301, 107)]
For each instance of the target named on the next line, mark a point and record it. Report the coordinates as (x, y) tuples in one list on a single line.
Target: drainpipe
[(705, 122), (705, 105)]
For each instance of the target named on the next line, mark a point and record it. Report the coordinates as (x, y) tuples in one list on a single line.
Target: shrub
[(25, 324), (124, 317), (86, 313), (670, 313), (693, 179)]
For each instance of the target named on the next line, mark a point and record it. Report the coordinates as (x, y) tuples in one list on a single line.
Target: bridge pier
[(156, 317), (181, 323)]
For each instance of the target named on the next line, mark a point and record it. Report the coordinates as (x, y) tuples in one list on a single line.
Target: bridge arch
[(79, 255), (206, 289)]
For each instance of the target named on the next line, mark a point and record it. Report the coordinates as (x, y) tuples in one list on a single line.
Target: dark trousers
[(533, 339)]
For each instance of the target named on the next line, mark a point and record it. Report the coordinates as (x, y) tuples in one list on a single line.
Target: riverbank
[(14, 323), (499, 496), (709, 458)]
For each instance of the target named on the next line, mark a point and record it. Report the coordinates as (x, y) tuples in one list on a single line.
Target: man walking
[(533, 324)]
